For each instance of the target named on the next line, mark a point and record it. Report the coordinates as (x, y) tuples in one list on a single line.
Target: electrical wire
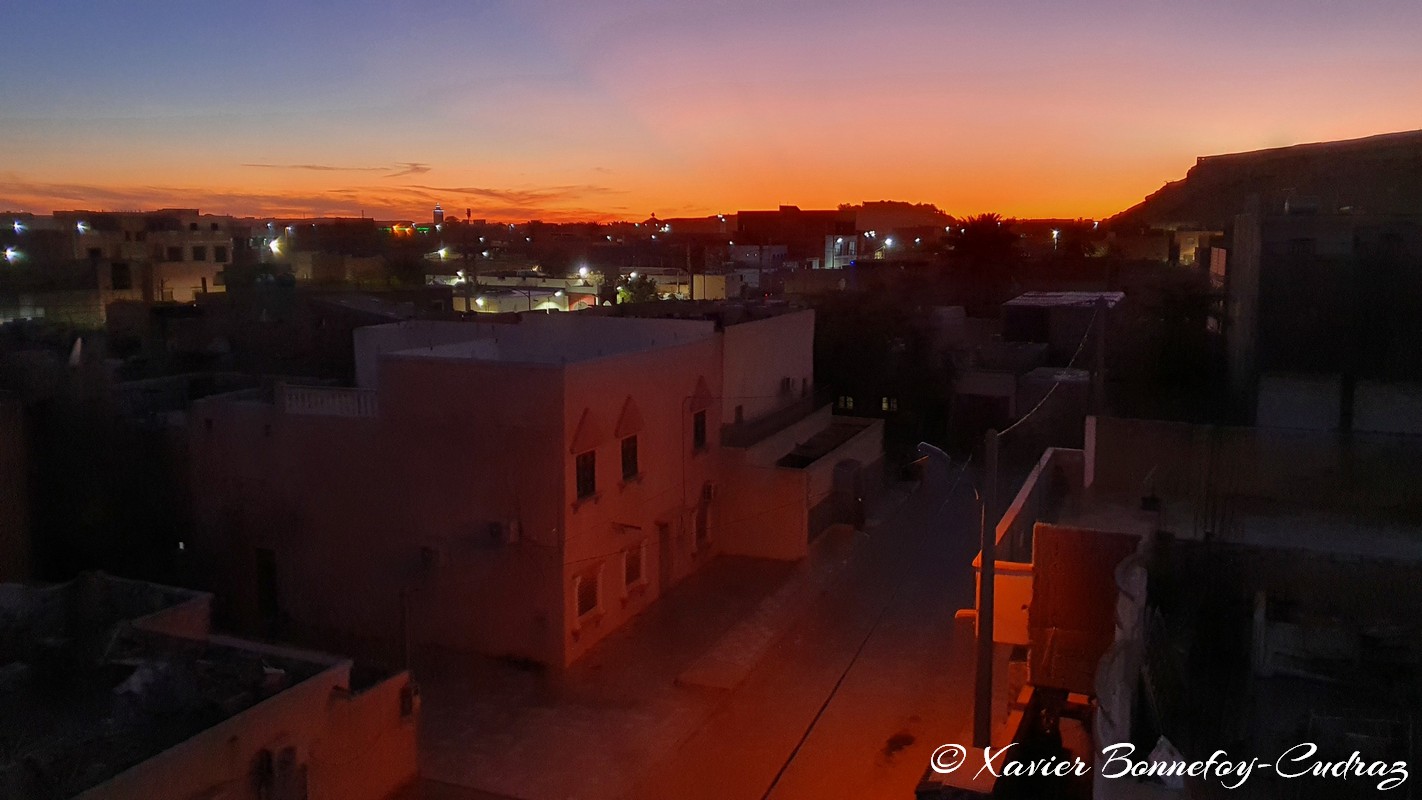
[(1090, 326)]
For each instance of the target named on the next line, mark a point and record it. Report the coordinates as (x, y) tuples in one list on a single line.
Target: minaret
[(438, 214)]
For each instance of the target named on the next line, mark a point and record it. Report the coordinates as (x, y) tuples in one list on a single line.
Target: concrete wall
[(1312, 469), (360, 511), (769, 507), (760, 355), (355, 747), (1388, 408), (1309, 402)]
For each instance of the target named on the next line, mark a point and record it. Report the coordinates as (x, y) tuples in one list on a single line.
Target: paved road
[(858, 693)]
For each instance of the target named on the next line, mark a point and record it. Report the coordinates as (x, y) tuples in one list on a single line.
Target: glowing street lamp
[(479, 301), (11, 255)]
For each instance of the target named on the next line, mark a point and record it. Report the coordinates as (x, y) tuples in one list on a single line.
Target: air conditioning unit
[(505, 532)]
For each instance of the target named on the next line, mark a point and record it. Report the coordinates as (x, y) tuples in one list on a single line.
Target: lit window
[(587, 474), (846, 402), (629, 458), (698, 431), (633, 563), (889, 404), (586, 589)]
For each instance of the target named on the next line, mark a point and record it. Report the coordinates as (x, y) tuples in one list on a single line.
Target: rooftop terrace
[(100, 674)]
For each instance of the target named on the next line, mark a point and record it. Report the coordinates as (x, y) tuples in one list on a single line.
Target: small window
[(219, 254), (587, 474), (214, 226), (586, 589), (192, 226), (629, 458), (175, 254), (846, 403), (120, 279), (633, 563), (889, 404), (96, 253), (698, 431), (199, 253)]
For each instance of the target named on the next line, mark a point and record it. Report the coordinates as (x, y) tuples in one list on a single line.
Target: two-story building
[(517, 489)]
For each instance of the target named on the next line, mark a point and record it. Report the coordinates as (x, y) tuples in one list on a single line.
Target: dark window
[(587, 594), (632, 573), (214, 226), (219, 254), (192, 226), (199, 253), (629, 458), (96, 253), (587, 474), (120, 280), (141, 236), (698, 431), (175, 254)]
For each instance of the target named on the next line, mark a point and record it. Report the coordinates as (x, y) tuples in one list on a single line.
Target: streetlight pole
[(987, 535), (982, 680)]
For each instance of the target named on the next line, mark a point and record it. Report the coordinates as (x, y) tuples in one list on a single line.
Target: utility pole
[(1098, 375), (982, 684)]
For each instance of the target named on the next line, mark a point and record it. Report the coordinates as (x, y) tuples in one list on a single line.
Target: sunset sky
[(595, 110)]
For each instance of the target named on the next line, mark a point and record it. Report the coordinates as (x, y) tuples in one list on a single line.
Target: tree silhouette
[(641, 289)]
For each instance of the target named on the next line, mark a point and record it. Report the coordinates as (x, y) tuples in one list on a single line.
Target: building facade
[(515, 489)]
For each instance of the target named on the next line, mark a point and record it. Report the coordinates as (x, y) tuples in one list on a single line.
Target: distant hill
[(1377, 174)]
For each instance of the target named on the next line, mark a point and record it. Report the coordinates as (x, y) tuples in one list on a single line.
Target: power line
[(1090, 326)]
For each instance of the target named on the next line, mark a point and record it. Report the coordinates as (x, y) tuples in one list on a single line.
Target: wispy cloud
[(410, 168), (551, 203), (317, 167), (399, 170)]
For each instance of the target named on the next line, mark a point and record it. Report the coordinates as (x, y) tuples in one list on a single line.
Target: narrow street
[(859, 691), (854, 670)]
